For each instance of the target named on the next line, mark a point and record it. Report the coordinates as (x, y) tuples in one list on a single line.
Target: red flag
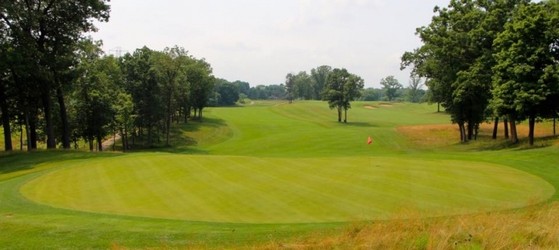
[(369, 140)]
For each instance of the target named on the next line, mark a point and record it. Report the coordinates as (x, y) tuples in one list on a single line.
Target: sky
[(261, 41)]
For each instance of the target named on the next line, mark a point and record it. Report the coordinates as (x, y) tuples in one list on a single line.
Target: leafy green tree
[(527, 72), (290, 87), (142, 85), (415, 92), (228, 92), (303, 88), (391, 87), (92, 96), (4, 111), (457, 58), (371, 94), (342, 88), (201, 80), (46, 33), (124, 116), (244, 87), (319, 78)]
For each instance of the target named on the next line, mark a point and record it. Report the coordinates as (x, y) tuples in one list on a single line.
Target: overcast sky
[(260, 41)]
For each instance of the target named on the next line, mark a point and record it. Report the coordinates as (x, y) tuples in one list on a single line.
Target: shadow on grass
[(181, 139), (486, 143), (18, 160)]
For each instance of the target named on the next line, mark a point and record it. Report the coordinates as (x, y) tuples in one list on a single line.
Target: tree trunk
[(513, 133), (438, 107), (495, 128), (506, 125), (5, 121), (100, 142), (90, 140), (554, 122), (463, 137), (470, 131), (339, 114), (20, 135), (345, 115), (168, 122), (49, 128), (200, 114), (531, 124), (32, 133), (64, 119)]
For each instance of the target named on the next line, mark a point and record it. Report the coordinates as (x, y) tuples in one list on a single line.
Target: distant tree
[(302, 86), (342, 88), (390, 86), (244, 87), (290, 87), (415, 93), (228, 92), (371, 94), (319, 78)]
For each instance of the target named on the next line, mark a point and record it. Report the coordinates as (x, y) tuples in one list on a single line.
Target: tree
[(290, 87), (228, 92), (141, 83), (391, 86), (201, 80), (46, 33), (342, 88), (457, 58), (319, 78), (93, 94), (414, 89), (526, 73), (303, 88)]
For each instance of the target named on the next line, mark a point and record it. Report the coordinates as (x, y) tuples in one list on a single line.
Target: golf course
[(269, 172)]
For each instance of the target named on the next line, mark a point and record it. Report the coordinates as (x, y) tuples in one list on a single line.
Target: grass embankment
[(276, 166)]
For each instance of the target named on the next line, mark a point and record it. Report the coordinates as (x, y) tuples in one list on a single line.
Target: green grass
[(262, 172)]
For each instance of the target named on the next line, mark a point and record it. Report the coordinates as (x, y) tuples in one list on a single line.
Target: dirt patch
[(369, 107)]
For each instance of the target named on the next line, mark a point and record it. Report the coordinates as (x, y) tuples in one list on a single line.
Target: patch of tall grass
[(530, 228)]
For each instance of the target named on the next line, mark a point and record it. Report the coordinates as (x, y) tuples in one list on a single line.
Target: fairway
[(269, 170), (238, 189)]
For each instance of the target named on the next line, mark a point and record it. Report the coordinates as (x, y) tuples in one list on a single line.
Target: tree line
[(490, 60), (56, 85)]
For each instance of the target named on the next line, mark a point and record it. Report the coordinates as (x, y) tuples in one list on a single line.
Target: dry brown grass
[(533, 228), (438, 135)]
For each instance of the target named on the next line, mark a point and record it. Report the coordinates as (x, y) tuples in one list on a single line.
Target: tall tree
[(48, 31), (391, 87), (457, 57), (319, 78), (145, 90), (341, 88), (527, 72), (290, 87), (201, 80), (414, 89)]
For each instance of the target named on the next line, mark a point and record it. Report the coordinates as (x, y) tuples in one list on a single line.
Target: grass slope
[(254, 159)]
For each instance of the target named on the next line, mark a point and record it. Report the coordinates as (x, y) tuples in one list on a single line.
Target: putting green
[(282, 190)]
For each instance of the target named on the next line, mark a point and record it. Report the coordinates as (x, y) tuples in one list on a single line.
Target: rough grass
[(532, 228)]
